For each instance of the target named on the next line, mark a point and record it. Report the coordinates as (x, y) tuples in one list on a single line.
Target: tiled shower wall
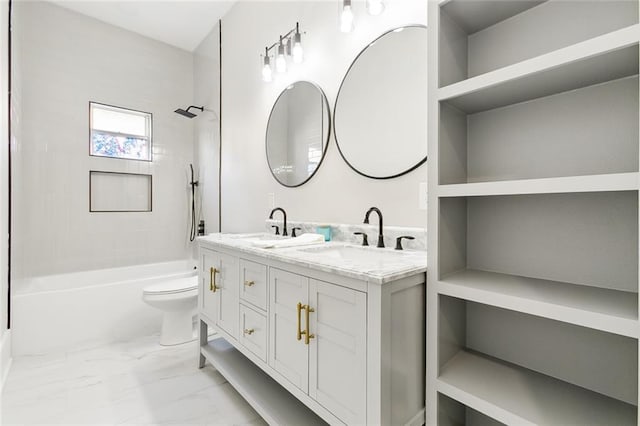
[(65, 61)]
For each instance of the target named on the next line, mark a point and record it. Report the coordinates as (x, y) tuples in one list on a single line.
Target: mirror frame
[(328, 138), (335, 106)]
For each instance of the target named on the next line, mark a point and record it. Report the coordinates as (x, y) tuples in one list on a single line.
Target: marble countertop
[(371, 264)]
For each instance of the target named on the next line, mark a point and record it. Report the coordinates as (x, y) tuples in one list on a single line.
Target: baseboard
[(5, 357)]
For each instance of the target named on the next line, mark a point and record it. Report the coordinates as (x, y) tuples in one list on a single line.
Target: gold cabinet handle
[(212, 279), (248, 331), (299, 332), (307, 334), (249, 283)]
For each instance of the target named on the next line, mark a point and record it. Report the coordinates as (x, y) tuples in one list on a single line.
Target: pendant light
[(281, 61), (266, 68), (298, 52), (346, 18)]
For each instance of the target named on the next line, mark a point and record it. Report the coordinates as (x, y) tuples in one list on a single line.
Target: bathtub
[(61, 312)]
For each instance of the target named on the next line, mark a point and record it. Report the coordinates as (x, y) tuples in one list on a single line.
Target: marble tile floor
[(131, 383)]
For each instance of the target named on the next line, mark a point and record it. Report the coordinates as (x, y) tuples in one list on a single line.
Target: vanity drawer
[(253, 331), (253, 283)]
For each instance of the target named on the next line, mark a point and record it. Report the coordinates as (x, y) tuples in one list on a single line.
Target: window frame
[(109, 106)]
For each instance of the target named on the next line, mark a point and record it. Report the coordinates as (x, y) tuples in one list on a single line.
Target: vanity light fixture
[(375, 7), (289, 47), (346, 18)]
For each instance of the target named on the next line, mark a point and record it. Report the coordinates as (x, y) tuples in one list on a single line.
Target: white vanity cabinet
[(310, 346)]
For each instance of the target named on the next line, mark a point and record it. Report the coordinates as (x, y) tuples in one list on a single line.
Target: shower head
[(186, 112)]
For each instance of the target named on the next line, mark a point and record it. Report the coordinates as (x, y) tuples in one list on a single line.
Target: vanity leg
[(203, 333)]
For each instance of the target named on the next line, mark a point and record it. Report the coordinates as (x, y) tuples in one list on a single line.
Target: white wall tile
[(65, 61)]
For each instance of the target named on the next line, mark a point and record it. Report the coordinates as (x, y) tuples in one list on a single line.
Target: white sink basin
[(356, 254)]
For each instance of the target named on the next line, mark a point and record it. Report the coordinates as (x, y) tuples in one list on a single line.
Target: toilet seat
[(180, 285)]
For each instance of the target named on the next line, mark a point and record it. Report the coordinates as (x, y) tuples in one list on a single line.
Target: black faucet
[(366, 220), (284, 226)]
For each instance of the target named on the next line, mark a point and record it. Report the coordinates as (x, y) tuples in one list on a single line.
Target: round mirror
[(380, 116), (297, 133)]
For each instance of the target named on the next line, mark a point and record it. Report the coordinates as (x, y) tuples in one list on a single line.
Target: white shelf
[(612, 311), (590, 183), (514, 395), (604, 58), (265, 395), (473, 16)]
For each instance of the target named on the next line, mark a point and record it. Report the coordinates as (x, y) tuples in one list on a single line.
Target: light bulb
[(281, 64), (298, 53), (346, 19), (266, 68), (375, 7), (266, 73)]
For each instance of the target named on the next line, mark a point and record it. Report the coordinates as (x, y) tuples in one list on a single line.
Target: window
[(119, 132)]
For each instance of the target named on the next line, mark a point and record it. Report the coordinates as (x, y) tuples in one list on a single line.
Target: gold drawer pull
[(248, 331), (299, 331), (212, 279), (307, 334), (249, 283)]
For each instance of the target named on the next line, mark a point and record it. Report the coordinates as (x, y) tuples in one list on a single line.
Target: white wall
[(335, 193), (206, 68), (5, 351), (67, 60)]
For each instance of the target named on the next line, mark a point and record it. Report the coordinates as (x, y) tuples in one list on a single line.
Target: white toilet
[(177, 299)]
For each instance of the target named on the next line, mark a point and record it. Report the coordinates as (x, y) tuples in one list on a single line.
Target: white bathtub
[(61, 312)]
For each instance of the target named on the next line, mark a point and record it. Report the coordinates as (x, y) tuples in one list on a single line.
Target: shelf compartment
[(594, 183), (588, 239), (604, 58), (586, 132), (515, 395), (590, 359), (480, 37), (474, 16), (265, 395), (601, 309), (453, 413)]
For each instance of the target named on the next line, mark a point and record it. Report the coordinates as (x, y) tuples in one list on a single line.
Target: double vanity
[(330, 332), (319, 333)]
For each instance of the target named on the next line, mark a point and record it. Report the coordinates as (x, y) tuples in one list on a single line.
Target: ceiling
[(183, 24)]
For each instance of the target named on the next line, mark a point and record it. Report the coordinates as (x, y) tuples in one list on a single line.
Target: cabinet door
[(337, 354), (208, 299), (228, 293), (287, 355)]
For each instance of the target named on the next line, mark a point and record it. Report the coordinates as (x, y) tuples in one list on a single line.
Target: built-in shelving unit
[(534, 147)]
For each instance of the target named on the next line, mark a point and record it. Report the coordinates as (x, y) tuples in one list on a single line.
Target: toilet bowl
[(177, 299)]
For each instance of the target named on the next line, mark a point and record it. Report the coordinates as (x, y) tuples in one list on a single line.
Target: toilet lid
[(179, 285)]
